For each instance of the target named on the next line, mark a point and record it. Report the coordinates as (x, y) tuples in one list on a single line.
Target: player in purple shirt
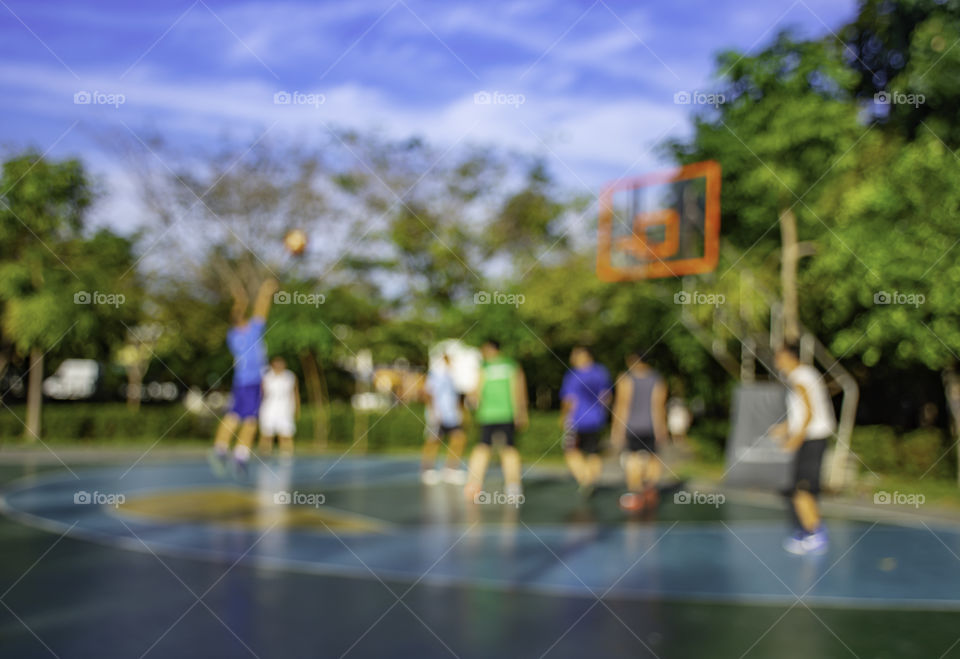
[(584, 396), (245, 340)]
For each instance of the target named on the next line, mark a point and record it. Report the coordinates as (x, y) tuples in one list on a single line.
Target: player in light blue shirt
[(444, 422)]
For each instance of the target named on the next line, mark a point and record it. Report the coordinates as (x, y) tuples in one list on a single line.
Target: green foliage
[(788, 115), (46, 261), (43, 202), (895, 223), (876, 448), (708, 437), (399, 428), (106, 422), (906, 47), (919, 453)]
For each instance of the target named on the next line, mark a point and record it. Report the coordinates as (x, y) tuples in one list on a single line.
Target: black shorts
[(641, 441), (436, 433), (446, 430), (585, 441), (490, 430), (807, 465)]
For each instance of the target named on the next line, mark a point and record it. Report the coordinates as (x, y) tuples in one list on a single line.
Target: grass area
[(934, 492)]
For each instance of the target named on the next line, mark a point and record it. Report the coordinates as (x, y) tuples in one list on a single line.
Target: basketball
[(295, 241)]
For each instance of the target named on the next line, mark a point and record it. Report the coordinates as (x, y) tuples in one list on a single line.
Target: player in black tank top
[(639, 424)]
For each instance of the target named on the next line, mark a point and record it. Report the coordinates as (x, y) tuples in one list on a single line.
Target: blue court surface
[(355, 557)]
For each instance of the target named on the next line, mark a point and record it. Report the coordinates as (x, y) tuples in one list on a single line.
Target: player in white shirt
[(810, 421), (279, 409)]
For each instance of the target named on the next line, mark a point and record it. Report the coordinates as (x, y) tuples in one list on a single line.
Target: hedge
[(923, 452), (879, 448), (399, 427)]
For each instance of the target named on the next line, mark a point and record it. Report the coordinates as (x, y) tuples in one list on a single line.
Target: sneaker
[(794, 543), (631, 502), (816, 543), (455, 476), (429, 477), (218, 462)]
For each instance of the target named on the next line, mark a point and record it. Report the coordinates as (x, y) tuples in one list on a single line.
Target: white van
[(74, 379)]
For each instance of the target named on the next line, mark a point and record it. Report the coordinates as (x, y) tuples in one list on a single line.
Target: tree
[(60, 290), (787, 121), (898, 210), (904, 49)]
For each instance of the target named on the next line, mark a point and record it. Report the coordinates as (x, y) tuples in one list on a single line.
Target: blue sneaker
[(794, 543), (816, 542)]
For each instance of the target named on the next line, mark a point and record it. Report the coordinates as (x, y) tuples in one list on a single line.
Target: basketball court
[(365, 561)]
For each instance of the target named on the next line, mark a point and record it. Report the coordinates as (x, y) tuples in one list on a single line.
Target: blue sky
[(590, 85)]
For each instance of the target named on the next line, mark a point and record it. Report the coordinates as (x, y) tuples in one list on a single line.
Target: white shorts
[(281, 425)]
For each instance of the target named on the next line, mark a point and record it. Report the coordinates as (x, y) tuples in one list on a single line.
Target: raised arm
[(261, 306), (240, 298)]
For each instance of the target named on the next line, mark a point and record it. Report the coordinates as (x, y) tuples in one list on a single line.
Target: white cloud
[(577, 130), (594, 103)]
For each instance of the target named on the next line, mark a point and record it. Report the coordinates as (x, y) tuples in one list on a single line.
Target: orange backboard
[(664, 224)]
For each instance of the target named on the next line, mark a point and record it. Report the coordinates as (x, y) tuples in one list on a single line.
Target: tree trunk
[(34, 394), (314, 383), (951, 389), (788, 276), (134, 386), (324, 413)]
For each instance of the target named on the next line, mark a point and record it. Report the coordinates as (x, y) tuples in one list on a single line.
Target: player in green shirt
[(501, 398)]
